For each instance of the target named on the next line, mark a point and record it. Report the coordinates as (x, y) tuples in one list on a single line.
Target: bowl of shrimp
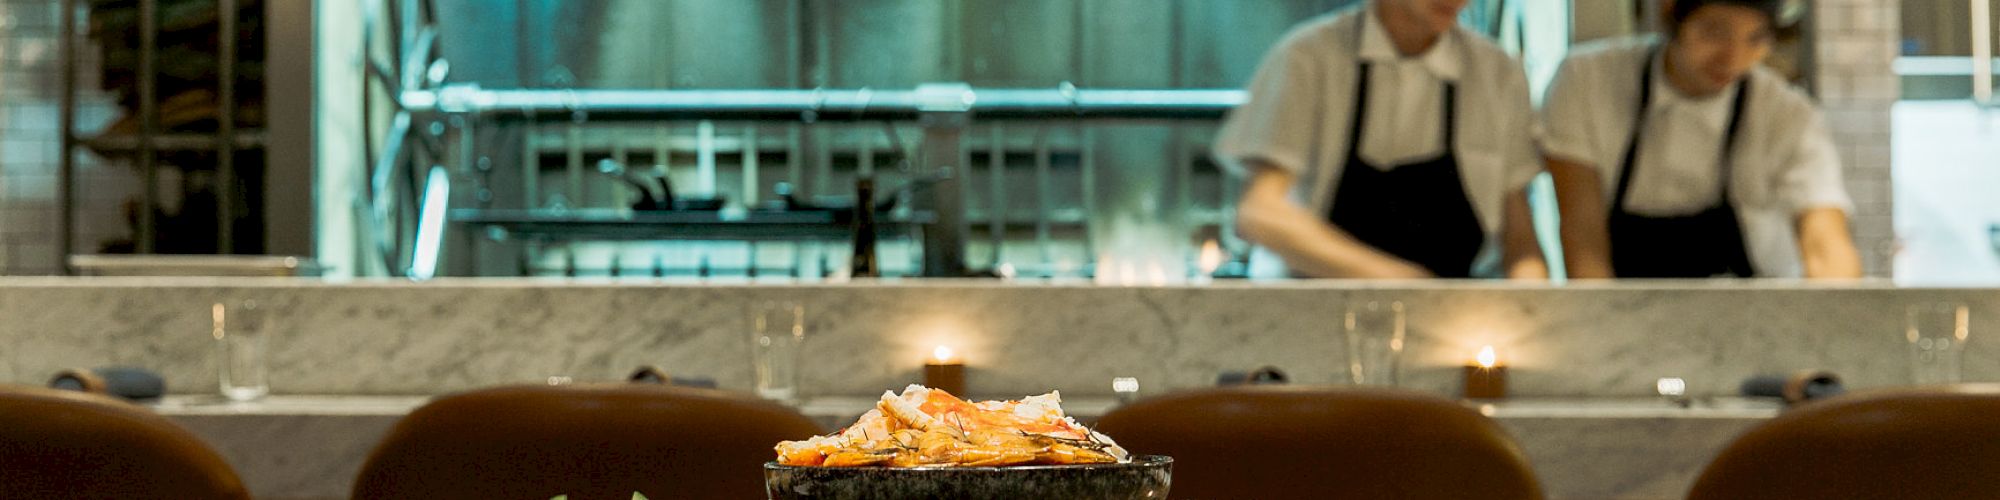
[(927, 443)]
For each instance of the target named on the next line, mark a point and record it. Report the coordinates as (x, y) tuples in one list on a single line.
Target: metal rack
[(148, 142), (943, 111)]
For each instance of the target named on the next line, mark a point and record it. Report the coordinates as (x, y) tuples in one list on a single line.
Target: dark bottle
[(863, 263)]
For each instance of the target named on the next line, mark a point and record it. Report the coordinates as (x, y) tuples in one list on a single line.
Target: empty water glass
[(1375, 331), (1937, 333), (777, 330), (242, 345)]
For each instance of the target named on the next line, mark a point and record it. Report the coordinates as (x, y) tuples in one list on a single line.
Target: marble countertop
[(397, 338), (893, 283)]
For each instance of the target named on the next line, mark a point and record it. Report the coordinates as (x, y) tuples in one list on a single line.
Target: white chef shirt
[(1301, 109), (1785, 162)]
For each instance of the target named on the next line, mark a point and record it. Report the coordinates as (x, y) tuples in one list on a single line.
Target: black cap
[(1783, 13)]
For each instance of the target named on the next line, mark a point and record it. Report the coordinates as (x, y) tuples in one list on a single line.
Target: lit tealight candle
[(945, 371), (1486, 378)]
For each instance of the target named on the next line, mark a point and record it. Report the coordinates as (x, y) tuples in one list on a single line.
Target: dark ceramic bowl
[(1146, 477)]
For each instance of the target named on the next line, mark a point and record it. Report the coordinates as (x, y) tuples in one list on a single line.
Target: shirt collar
[(1713, 111), (1442, 59)]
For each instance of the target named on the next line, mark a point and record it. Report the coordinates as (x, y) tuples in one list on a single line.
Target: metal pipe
[(225, 130), (149, 123), (383, 193), (1982, 52), (67, 171), (944, 241), (573, 144), (531, 168), (431, 225), (381, 182), (1183, 183), (704, 170), (663, 159), (414, 47), (866, 141), (820, 139), (750, 160), (1088, 170), (619, 155), (1044, 200), (996, 206), (795, 157), (823, 105), (367, 98), (411, 73)]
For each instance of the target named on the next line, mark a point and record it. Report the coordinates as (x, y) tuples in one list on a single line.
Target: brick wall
[(1857, 44)]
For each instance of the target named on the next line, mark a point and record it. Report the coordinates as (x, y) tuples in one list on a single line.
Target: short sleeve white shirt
[(1785, 160), (1301, 111)]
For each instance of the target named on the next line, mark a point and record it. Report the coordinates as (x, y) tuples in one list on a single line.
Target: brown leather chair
[(588, 442), (65, 444), (1323, 443), (1934, 442)]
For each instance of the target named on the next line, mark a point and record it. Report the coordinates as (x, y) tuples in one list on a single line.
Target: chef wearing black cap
[(1682, 157)]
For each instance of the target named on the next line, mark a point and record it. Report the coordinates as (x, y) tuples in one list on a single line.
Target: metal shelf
[(824, 105), (622, 225), (246, 139)]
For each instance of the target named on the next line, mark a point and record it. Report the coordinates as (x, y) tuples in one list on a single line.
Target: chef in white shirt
[(1386, 142), (1682, 157)]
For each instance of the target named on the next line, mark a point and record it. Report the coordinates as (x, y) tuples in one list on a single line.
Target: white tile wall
[(1857, 44), (30, 89)]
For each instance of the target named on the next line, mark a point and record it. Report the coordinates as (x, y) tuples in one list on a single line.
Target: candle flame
[(942, 354), (1487, 358)]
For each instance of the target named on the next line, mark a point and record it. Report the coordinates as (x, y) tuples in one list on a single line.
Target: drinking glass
[(1936, 332), (1375, 331), (242, 347), (777, 330)]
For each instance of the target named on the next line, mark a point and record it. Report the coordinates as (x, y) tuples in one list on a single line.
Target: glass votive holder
[(1937, 333), (242, 346), (777, 331), (1375, 333)]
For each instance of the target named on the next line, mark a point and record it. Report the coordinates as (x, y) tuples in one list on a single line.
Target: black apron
[(1704, 244), (1418, 212)]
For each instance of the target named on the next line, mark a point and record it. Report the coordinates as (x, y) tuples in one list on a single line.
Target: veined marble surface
[(398, 338)]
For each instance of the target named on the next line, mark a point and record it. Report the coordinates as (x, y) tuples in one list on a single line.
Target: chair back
[(1932, 442), (1329, 443), (608, 441), (67, 444)]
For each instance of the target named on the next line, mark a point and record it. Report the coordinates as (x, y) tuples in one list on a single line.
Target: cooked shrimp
[(925, 427)]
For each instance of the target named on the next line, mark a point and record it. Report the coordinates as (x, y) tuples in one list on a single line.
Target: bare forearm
[(1312, 248), (1585, 236), (1826, 245), (1522, 250)]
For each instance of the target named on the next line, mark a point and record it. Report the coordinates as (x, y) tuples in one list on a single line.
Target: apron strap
[(1729, 140), (1360, 117), (1638, 130), (1730, 135)]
